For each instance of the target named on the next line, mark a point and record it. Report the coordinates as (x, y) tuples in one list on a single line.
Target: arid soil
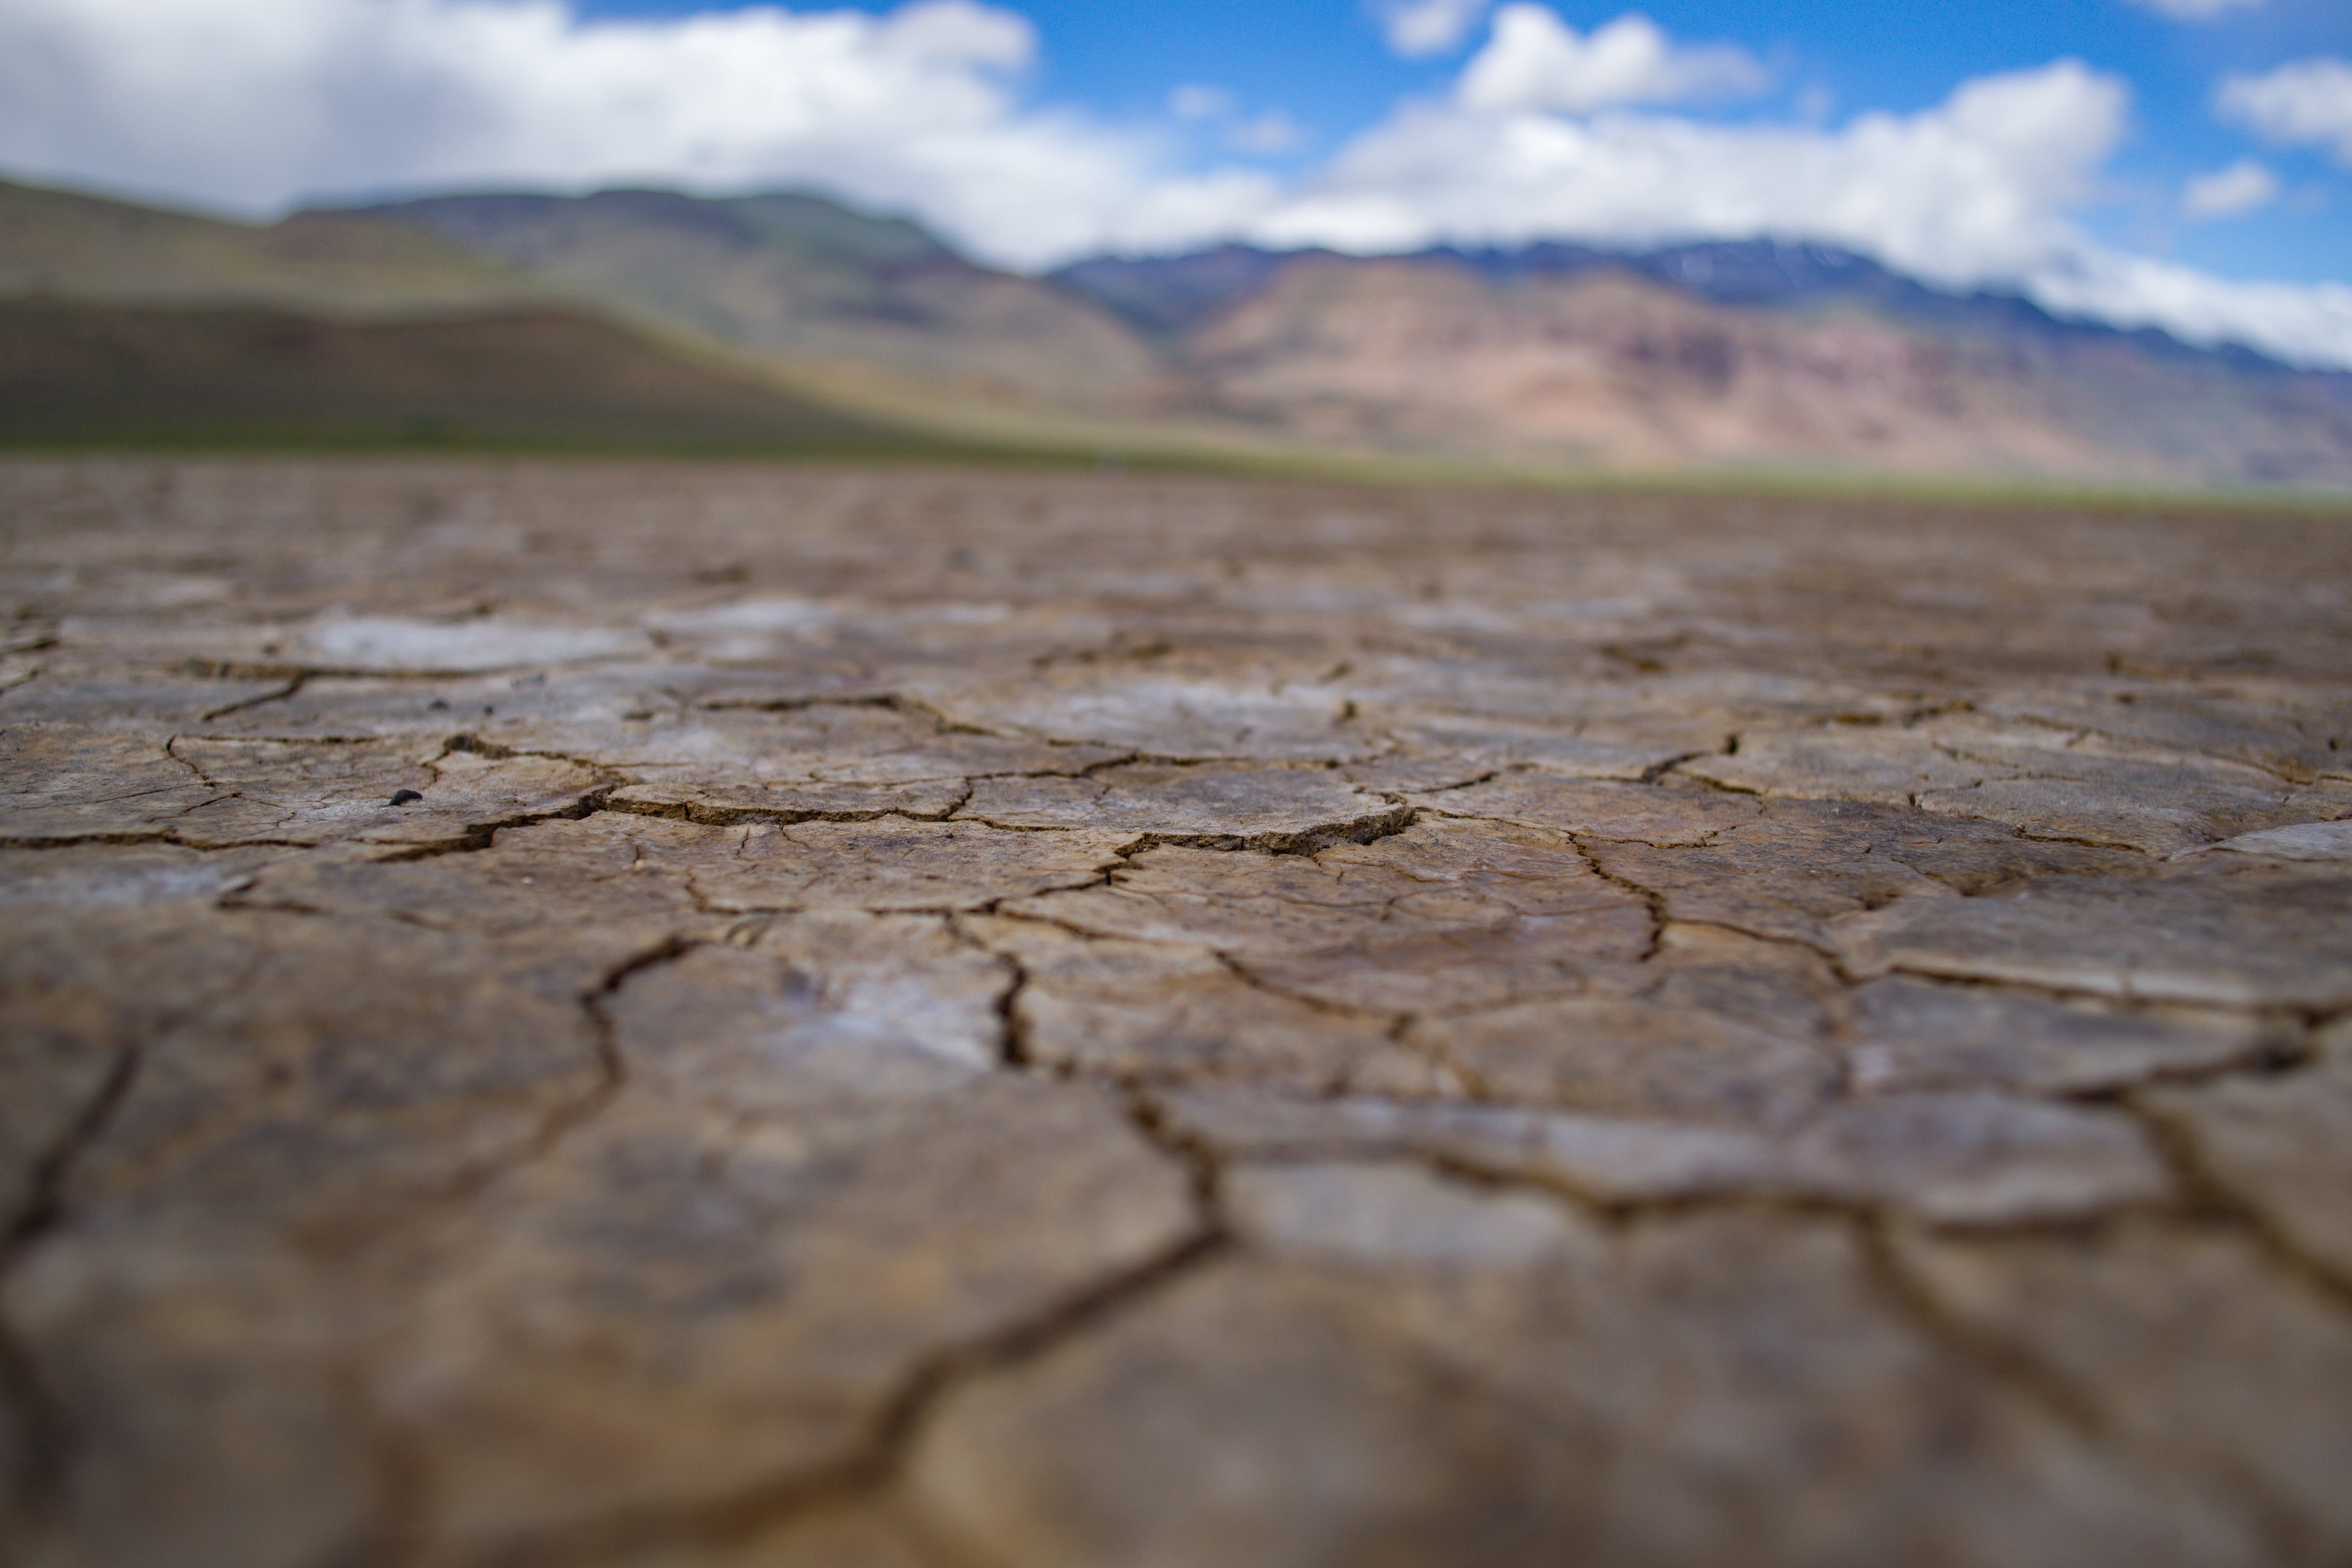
[(649, 1017)]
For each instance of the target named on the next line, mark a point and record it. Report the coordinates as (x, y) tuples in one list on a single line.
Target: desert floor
[(623, 1016)]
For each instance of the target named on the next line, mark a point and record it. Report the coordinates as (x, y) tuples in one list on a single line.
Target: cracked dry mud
[(646, 1016)]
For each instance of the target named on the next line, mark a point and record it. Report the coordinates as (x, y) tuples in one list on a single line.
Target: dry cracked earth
[(646, 1017)]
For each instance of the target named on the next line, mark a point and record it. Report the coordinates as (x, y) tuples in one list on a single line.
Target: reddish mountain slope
[(1610, 367)]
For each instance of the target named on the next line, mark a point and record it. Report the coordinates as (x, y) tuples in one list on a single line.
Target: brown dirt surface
[(629, 1015)]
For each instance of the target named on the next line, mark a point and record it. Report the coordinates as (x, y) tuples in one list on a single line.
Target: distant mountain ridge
[(1169, 294), (1726, 352), (798, 275), (66, 245), (122, 324), (1718, 355), (1724, 355)]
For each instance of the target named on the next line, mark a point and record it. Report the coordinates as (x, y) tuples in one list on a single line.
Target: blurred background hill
[(63, 245), (651, 319)]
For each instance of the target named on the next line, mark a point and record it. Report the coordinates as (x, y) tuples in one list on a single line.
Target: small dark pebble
[(403, 796)]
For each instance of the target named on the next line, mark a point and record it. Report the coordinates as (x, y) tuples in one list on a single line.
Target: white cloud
[(1416, 28), (2307, 103), (1535, 61), (251, 103), (1973, 188), (2195, 10), (919, 111), (2244, 187), (2307, 324)]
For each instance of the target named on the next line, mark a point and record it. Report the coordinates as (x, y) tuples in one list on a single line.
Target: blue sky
[(2186, 163)]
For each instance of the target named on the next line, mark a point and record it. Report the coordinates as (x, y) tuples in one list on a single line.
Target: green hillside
[(77, 375), (62, 245), (122, 323)]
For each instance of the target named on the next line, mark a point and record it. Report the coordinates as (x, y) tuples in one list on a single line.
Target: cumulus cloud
[(1535, 61), (2194, 10), (2307, 103), (2244, 187), (1417, 28), (921, 111), (2307, 324), (1973, 188), (250, 104)]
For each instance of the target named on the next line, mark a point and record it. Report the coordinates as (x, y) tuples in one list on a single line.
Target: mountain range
[(801, 322)]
